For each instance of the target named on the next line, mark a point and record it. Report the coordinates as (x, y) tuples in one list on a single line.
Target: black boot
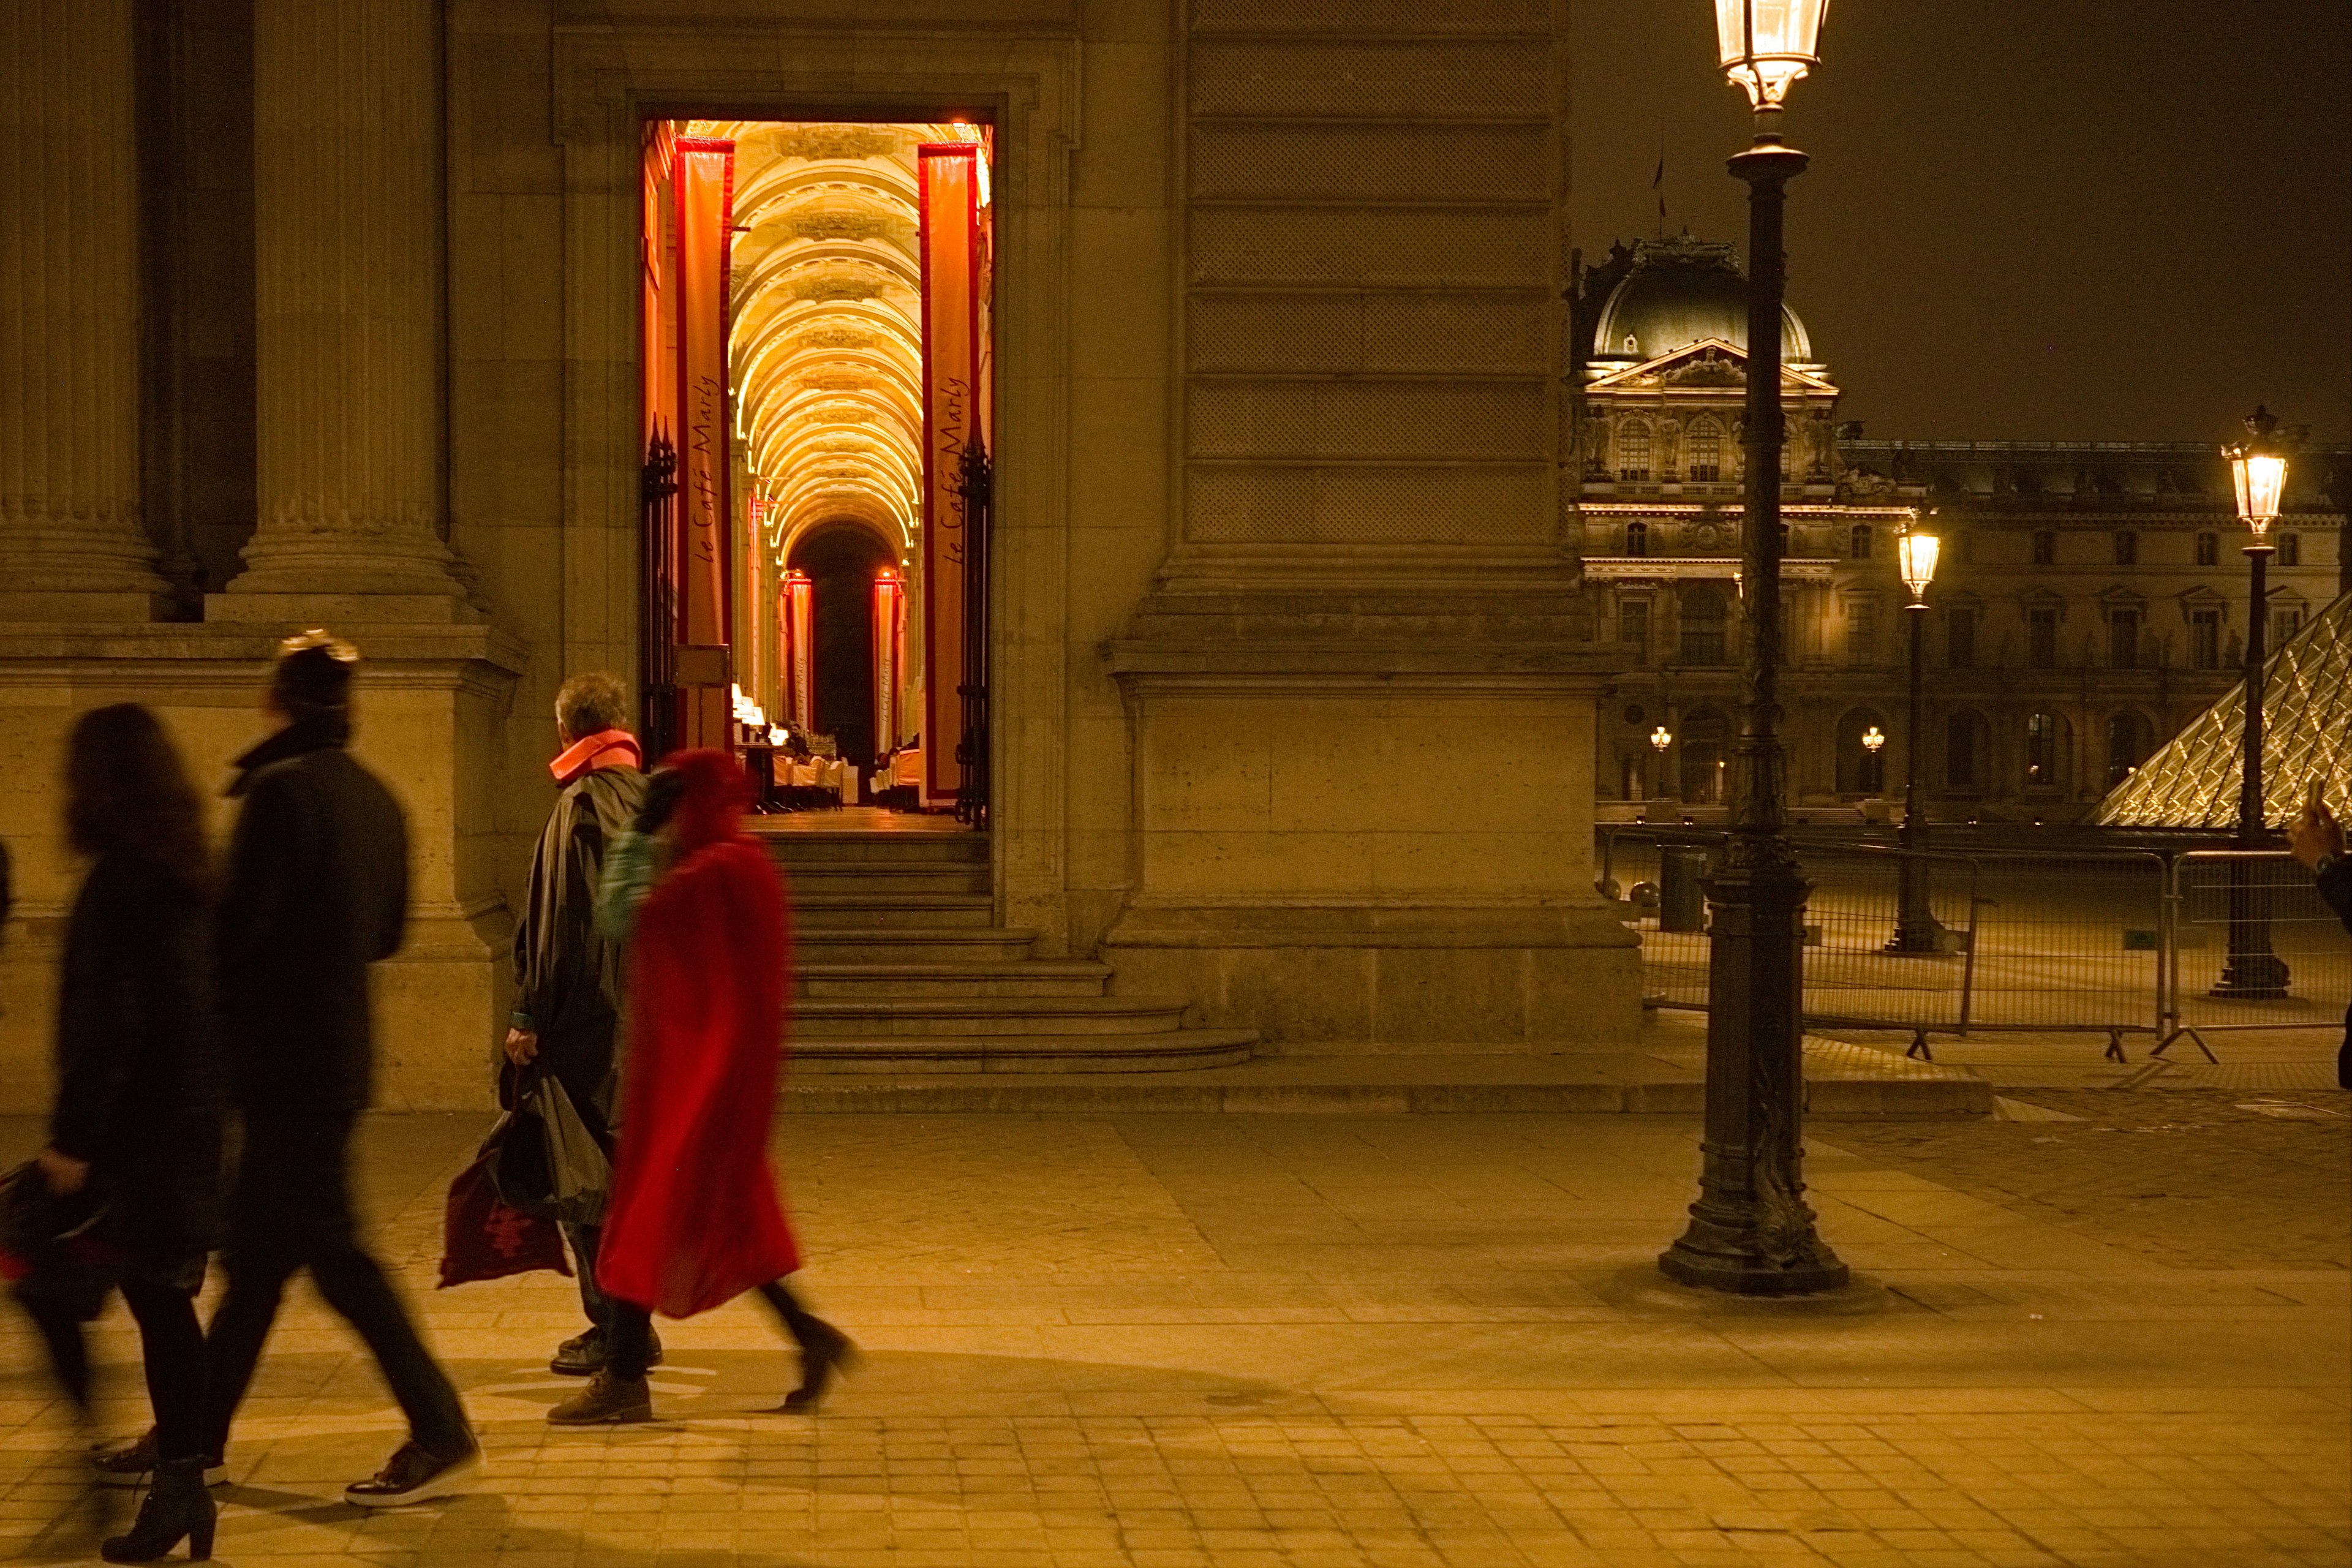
[(178, 1505)]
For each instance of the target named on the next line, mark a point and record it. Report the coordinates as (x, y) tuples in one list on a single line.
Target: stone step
[(948, 1017), (833, 913), (829, 979), (834, 1060), (887, 878), (794, 849), (910, 945)]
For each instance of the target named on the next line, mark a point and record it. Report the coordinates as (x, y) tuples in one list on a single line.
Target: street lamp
[(1750, 1231), (1660, 739), (1916, 930), (2257, 473)]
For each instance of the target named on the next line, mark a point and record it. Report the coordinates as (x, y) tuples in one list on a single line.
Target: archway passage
[(818, 375)]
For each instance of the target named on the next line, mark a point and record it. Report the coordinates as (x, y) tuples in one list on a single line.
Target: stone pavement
[(1246, 1341)]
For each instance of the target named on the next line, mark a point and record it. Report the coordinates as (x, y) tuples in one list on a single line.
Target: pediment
[(1709, 362)]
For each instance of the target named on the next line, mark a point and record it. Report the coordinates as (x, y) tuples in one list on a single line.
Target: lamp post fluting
[(2258, 474), (1916, 930), (1750, 1230)]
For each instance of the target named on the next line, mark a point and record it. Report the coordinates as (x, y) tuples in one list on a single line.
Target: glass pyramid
[(2192, 781)]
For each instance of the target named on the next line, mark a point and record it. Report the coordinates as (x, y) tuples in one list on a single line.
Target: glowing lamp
[(1916, 553), (1872, 738), (1768, 44), (2258, 470), (1660, 738)]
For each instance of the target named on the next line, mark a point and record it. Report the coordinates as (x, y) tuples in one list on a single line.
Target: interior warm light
[(2258, 470), (1915, 551), (1768, 44)]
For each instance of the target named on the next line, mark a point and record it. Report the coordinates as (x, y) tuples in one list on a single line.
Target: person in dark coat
[(567, 976), (317, 890), (2317, 839), (140, 1090)]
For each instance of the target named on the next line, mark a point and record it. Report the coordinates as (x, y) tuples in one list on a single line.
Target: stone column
[(69, 528), (348, 315)]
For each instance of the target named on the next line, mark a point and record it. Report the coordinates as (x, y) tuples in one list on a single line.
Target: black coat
[(141, 1086), (317, 890), (567, 976)]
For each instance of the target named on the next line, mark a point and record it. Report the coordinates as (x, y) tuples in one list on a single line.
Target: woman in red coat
[(693, 1221)]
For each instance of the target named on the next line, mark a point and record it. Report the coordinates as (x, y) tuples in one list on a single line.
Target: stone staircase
[(898, 968)]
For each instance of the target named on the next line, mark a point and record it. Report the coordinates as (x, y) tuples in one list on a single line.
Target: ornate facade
[(2090, 601)]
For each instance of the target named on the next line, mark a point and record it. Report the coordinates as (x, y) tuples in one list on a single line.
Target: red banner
[(890, 621), (800, 651), (705, 179), (949, 188)]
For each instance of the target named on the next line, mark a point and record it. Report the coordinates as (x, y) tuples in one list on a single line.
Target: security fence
[(2165, 943)]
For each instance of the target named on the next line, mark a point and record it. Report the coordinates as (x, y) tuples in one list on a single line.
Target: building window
[(2041, 751), (1960, 636), (2042, 638), (1637, 539), (2127, 548), (2045, 548), (2128, 740), (1792, 630), (2123, 638), (1861, 632), (1703, 617), (1964, 750), (1633, 626), (1859, 544), (1964, 548), (1634, 450), (2290, 550), (2284, 623), (1705, 452), (2208, 550), (2205, 638)]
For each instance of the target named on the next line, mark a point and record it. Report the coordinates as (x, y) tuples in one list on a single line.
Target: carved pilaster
[(69, 527), (347, 317)]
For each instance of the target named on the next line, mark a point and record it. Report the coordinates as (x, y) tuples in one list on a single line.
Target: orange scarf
[(596, 751)]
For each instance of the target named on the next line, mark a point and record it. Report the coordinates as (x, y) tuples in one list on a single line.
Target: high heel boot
[(177, 1506)]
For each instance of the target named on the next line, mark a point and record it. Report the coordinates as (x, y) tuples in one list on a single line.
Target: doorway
[(817, 328)]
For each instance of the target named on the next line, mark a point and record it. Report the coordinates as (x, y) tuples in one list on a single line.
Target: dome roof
[(1679, 292)]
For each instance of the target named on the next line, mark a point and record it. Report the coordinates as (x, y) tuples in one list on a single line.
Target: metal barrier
[(2255, 948), (1978, 939)]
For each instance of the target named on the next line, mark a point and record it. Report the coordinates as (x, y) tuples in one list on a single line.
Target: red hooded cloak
[(694, 1219)]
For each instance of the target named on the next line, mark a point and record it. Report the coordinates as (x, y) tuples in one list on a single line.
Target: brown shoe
[(606, 1399)]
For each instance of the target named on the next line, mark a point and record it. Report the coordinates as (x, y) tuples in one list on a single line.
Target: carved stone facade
[(1286, 556), (2091, 598)]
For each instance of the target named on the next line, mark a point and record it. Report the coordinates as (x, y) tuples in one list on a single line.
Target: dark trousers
[(629, 1341), (291, 1210), (173, 1347), (593, 1302)]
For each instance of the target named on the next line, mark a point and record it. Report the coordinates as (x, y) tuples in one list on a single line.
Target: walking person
[(694, 1221), (2317, 839), (140, 1092), (317, 890), (567, 975)]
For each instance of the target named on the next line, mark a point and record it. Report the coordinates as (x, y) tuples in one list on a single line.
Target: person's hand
[(2314, 834), (64, 1173), (523, 1046)]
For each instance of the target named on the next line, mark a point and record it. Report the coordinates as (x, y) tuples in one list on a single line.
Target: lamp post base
[(2252, 977), (1737, 1263)]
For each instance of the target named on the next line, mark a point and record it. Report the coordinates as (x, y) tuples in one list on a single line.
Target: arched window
[(1859, 543), (1637, 538), (1703, 620), (1965, 738), (2128, 742), (1705, 451), (2043, 730), (1634, 449), (1705, 748), (1860, 768), (2208, 550)]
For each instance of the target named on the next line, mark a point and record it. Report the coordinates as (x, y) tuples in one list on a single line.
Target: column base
[(82, 608), (336, 610)]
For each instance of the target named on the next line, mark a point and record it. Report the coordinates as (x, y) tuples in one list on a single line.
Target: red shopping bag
[(483, 1237)]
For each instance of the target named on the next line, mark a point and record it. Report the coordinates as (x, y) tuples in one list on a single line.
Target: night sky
[(2057, 220)]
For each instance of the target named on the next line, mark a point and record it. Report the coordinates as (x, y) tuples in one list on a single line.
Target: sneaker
[(582, 1355), (606, 1398), (413, 1475), (131, 1465)]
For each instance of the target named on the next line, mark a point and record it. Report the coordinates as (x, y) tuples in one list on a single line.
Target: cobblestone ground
[(1250, 1340)]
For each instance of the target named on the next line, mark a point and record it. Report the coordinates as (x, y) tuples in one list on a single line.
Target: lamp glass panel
[(1768, 44), (1918, 554), (2260, 479)]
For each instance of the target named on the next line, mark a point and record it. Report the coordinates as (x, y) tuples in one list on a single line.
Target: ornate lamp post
[(1750, 1230), (1660, 739), (2258, 472), (1873, 739), (1914, 923)]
